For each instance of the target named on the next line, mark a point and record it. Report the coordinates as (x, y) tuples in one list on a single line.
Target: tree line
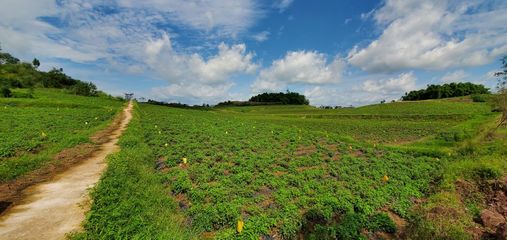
[(446, 91), (17, 74), (288, 97)]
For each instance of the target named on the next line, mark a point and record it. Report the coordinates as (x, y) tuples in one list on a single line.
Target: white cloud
[(85, 31), (282, 5), (194, 92), (262, 36), (191, 75), (394, 86), (228, 17), (130, 38), (456, 76), (301, 67), (434, 35), (180, 68)]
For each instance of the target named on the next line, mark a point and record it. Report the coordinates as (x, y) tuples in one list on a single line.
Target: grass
[(287, 176), (34, 129)]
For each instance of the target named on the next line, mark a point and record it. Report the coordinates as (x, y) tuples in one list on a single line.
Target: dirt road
[(56, 207)]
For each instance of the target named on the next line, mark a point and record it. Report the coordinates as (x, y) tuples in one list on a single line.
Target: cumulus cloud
[(261, 37), (455, 76), (434, 35), (192, 75), (301, 67), (392, 86), (180, 68)]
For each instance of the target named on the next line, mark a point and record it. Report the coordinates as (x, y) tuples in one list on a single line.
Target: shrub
[(479, 98), (85, 89), (5, 92), (350, 226), (381, 222), (485, 172)]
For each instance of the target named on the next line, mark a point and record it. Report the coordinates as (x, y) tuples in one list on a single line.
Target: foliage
[(501, 99), (445, 91), (36, 62), (16, 74), (5, 91), (281, 98), (6, 58), (84, 89)]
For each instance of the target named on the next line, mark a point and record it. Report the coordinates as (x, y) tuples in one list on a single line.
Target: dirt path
[(56, 207)]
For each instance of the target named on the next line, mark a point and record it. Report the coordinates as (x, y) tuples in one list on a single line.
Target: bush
[(5, 92), (84, 89), (480, 98), (485, 172), (381, 222), (350, 226)]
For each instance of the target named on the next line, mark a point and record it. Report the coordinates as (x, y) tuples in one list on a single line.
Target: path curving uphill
[(57, 207)]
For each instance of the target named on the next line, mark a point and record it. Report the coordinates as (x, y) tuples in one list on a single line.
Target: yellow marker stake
[(184, 160), (385, 178), (240, 226)]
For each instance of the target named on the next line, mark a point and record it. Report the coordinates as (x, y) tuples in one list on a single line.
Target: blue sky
[(198, 51)]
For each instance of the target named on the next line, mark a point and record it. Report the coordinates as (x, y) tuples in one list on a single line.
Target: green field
[(34, 129), (292, 171)]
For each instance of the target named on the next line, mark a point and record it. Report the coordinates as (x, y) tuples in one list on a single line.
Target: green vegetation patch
[(34, 129)]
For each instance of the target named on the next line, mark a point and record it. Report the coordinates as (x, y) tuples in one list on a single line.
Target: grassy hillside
[(34, 129), (286, 176)]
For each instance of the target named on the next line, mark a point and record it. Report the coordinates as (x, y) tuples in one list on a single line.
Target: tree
[(446, 91), (281, 98), (85, 89), (501, 99), (36, 62)]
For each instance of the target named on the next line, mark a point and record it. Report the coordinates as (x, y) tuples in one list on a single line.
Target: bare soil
[(51, 202)]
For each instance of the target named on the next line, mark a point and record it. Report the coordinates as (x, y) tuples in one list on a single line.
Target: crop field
[(33, 130), (399, 122), (281, 175)]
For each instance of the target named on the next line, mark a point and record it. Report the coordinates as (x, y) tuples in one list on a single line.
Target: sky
[(345, 52)]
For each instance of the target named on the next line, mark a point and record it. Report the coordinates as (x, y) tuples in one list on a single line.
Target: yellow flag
[(385, 178), (240, 226)]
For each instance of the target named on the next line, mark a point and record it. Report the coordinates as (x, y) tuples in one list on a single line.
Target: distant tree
[(501, 99), (36, 62), (55, 78), (281, 98), (446, 91)]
